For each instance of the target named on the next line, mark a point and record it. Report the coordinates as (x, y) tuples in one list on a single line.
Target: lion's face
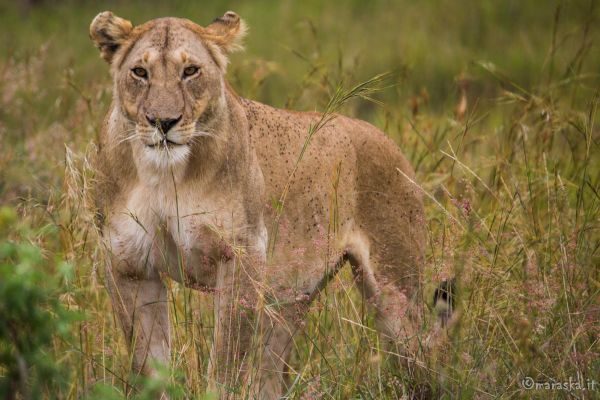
[(165, 84), (168, 76)]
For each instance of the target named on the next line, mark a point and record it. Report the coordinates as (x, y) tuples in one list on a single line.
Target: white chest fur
[(179, 230)]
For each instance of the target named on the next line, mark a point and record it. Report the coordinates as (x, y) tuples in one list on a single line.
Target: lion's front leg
[(253, 337), (141, 306), (235, 306), (250, 342)]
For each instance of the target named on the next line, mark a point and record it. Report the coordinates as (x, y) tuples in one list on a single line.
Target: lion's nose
[(164, 124)]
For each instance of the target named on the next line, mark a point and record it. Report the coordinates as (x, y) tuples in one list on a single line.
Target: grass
[(511, 183)]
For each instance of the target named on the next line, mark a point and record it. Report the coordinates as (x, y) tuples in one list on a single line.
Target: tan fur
[(205, 212)]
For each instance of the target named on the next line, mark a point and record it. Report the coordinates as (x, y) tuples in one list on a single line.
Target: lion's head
[(168, 75)]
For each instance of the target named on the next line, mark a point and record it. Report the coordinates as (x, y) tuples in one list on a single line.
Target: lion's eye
[(190, 71), (140, 72)]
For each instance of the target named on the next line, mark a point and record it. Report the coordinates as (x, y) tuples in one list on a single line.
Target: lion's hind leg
[(398, 310), (398, 320)]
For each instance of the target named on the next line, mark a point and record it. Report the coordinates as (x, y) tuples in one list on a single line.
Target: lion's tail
[(444, 300)]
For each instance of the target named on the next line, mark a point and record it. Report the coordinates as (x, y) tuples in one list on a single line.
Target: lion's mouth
[(165, 143)]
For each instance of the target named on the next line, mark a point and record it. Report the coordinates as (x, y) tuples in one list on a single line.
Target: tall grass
[(511, 184)]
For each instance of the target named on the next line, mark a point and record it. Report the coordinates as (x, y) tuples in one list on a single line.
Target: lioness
[(205, 187)]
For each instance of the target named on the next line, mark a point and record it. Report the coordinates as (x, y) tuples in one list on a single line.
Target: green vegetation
[(494, 103), (31, 315)]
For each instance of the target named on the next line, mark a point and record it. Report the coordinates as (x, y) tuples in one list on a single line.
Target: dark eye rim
[(139, 72), (190, 71)]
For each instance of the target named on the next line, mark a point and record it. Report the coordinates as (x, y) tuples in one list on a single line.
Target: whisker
[(128, 137), (197, 134), (202, 133), (129, 130)]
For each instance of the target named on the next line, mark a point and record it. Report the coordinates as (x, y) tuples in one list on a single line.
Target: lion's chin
[(165, 155)]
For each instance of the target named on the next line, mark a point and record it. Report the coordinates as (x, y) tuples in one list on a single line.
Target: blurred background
[(494, 103)]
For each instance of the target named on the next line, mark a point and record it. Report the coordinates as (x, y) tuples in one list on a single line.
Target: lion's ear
[(109, 32), (227, 32)]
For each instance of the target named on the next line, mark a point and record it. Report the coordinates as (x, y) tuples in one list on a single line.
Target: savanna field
[(495, 104)]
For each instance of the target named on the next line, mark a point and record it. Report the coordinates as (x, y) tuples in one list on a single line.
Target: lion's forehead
[(167, 41), (165, 35), (151, 55)]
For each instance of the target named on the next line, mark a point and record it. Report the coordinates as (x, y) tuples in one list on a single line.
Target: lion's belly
[(304, 251), (306, 234)]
